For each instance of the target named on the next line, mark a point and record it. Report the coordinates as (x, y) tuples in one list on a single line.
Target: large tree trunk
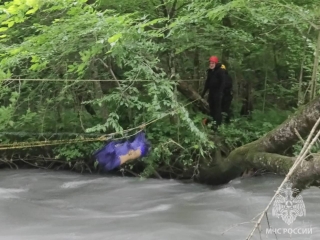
[(265, 153)]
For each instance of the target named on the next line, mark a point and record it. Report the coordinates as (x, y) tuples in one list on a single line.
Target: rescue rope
[(50, 134), (48, 143), (90, 80), (105, 137)]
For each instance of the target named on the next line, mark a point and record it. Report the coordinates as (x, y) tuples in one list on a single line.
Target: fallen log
[(266, 153)]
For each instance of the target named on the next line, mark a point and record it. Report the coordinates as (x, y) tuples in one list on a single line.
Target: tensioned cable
[(94, 80), (105, 137)]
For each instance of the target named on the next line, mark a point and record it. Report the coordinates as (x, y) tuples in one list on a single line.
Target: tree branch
[(164, 8), (173, 9), (111, 71), (182, 6)]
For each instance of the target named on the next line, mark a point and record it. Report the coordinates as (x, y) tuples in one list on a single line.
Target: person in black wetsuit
[(215, 82), (227, 96)]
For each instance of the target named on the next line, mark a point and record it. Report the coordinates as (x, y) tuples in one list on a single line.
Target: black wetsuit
[(215, 82)]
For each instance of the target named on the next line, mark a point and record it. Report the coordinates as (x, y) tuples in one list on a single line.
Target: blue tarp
[(109, 156)]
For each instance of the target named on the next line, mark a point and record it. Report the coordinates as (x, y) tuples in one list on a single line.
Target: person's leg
[(215, 110), (226, 107)]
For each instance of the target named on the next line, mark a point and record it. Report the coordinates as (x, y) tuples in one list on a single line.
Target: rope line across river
[(93, 80), (106, 137)]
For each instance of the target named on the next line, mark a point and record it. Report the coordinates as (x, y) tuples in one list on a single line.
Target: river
[(49, 205)]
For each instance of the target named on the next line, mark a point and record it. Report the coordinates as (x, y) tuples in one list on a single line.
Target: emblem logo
[(288, 207)]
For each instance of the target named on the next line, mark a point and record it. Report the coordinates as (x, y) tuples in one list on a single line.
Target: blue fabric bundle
[(109, 156)]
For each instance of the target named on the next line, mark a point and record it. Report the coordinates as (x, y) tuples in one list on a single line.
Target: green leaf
[(114, 38), (31, 11), (10, 23), (154, 21)]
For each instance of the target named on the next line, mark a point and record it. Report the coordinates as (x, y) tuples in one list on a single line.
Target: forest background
[(148, 59)]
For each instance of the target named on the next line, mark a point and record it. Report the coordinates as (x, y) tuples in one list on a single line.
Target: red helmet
[(214, 59)]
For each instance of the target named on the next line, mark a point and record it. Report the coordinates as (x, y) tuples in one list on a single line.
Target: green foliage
[(71, 152), (80, 39), (242, 131), (315, 149)]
